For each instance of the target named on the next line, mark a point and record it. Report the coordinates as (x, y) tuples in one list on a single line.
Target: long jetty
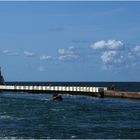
[(73, 90), (76, 90)]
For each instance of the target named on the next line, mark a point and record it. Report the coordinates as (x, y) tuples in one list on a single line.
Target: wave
[(7, 117), (40, 96)]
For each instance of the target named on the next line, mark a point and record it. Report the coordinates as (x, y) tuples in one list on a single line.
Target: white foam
[(6, 117), (59, 109), (12, 138), (73, 137)]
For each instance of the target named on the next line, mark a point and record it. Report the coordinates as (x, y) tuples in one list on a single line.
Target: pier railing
[(61, 89)]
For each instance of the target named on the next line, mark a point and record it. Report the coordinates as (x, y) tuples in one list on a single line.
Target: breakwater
[(122, 94), (74, 90)]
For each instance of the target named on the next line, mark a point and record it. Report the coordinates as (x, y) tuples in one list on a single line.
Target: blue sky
[(70, 41)]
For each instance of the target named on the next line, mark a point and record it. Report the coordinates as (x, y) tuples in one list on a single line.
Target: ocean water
[(36, 116)]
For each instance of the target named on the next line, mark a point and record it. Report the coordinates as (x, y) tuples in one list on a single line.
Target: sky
[(70, 41)]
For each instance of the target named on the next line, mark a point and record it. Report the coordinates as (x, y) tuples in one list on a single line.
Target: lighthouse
[(1, 78)]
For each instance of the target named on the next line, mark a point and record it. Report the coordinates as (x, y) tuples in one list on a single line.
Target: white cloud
[(71, 48), (112, 56), (113, 44), (45, 57), (6, 51), (67, 54), (27, 53), (61, 51), (136, 51), (9, 52), (68, 57), (99, 45), (112, 59), (134, 54), (108, 56), (109, 44), (111, 53)]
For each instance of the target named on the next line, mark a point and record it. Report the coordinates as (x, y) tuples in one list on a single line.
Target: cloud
[(6, 51), (71, 48), (27, 53), (45, 57), (9, 52), (108, 56), (127, 59), (68, 57), (136, 50), (134, 53), (68, 54), (109, 44), (112, 58), (134, 57), (111, 54), (61, 51)]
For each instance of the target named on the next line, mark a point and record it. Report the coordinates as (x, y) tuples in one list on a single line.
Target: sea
[(37, 116)]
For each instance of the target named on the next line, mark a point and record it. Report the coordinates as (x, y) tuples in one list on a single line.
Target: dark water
[(76, 117)]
